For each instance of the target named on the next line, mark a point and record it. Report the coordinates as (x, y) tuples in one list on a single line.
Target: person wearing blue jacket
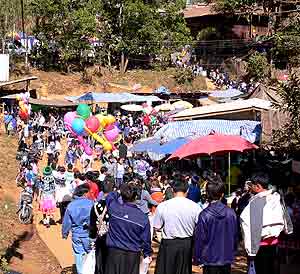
[(216, 234), (129, 234), (77, 220)]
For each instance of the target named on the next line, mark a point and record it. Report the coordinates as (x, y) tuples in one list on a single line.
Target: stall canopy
[(225, 108), (106, 97), (154, 145), (44, 102), (229, 93), (249, 130)]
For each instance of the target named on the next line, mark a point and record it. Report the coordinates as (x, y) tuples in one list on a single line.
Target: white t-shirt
[(177, 217)]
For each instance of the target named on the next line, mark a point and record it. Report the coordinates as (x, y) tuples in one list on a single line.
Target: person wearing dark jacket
[(216, 236), (194, 191), (98, 217), (128, 234), (122, 150)]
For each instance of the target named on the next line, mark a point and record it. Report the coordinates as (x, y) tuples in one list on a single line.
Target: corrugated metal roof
[(216, 109)]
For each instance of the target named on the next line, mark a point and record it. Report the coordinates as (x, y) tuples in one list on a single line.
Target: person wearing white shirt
[(177, 218)]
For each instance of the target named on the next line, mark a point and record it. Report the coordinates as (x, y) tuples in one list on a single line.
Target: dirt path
[(62, 249), (20, 245)]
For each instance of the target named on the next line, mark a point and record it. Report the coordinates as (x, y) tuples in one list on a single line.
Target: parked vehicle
[(25, 206)]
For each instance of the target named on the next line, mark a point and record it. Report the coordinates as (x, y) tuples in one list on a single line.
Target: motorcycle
[(25, 210), (20, 178)]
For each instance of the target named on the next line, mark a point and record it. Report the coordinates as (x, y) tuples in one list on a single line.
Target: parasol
[(214, 144), (164, 107), (132, 107), (182, 105)]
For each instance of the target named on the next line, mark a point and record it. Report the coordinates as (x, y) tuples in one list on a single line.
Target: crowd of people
[(118, 203), (222, 79)]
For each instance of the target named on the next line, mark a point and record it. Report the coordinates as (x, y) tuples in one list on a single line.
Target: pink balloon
[(112, 134), (92, 124), (68, 118)]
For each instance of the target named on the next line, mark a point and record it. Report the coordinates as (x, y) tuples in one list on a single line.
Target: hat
[(5, 112), (47, 170)]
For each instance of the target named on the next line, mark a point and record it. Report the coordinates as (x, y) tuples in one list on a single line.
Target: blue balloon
[(78, 126)]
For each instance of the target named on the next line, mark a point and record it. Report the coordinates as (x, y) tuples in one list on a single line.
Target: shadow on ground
[(12, 250), (69, 270)]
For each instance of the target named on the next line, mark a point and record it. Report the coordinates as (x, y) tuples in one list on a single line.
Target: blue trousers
[(81, 246)]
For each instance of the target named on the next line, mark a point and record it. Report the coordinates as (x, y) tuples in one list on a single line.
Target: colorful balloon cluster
[(25, 108), (81, 123)]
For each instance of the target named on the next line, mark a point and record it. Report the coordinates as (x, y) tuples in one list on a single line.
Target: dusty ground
[(20, 245), (57, 85)]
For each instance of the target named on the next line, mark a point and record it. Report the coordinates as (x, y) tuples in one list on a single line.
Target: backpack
[(102, 227)]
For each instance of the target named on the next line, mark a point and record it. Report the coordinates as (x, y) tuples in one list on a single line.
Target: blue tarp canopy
[(154, 145), (250, 130), (162, 90), (106, 97)]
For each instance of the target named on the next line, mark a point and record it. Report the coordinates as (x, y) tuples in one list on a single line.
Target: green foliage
[(64, 27), (137, 28), (3, 265), (207, 34), (130, 28), (234, 6), (184, 76), (287, 42), (288, 137), (258, 67)]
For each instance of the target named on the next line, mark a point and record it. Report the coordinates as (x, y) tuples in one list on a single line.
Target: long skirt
[(101, 255), (174, 256), (122, 262)]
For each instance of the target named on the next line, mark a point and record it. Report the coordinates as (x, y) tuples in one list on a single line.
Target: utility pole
[(23, 30)]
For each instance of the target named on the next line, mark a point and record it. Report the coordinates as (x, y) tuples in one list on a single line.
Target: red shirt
[(94, 191)]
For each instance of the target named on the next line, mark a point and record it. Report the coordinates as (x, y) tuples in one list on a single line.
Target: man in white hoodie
[(262, 221)]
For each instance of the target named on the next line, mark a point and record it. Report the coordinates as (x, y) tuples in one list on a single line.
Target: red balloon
[(92, 124), (23, 115), (147, 120)]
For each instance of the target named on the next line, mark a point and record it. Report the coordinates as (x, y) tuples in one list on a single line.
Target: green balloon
[(84, 111)]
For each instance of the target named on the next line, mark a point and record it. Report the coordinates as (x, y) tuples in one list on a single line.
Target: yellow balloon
[(110, 119), (21, 103), (107, 146), (18, 97), (23, 108), (98, 138), (102, 120)]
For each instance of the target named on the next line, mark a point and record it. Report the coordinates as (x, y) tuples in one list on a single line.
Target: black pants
[(174, 257), (101, 255), (62, 209), (122, 262), (267, 260), (224, 269)]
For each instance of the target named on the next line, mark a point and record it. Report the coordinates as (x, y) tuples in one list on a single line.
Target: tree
[(130, 29), (10, 14), (288, 136), (64, 28), (258, 67), (287, 42), (142, 28)]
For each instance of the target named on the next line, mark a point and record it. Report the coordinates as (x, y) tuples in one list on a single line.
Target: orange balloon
[(110, 119), (102, 120)]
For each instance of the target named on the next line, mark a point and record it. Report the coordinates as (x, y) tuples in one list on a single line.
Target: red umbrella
[(213, 144)]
